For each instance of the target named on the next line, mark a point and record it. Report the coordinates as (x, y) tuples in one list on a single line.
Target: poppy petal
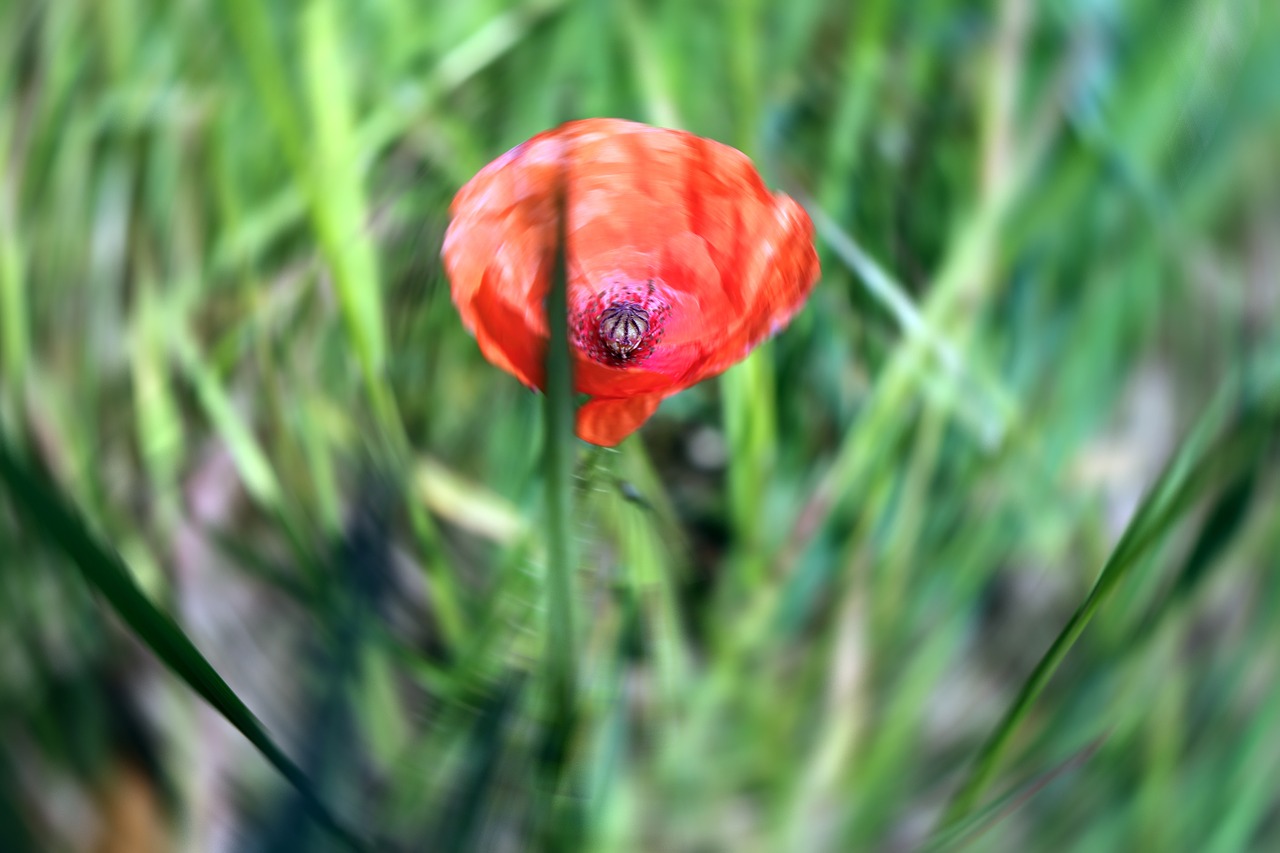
[(681, 229), (505, 335), (608, 420), (775, 276)]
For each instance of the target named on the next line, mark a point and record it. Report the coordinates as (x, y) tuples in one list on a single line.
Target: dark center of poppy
[(622, 328), (621, 325)]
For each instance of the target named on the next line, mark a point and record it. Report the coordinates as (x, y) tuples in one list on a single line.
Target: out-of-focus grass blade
[(743, 28), (337, 195), (1210, 452), (973, 826), (253, 30), (45, 509), (325, 157), (13, 293), (751, 430), (486, 743), (993, 421), (748, 390), (468, 505), (250, 460), (863, 60), (1251, 784), (160, 432), (489, 42), (1220, 528), (650, 549), (649, 67), (313, 436), (388, 122), (380, 706)]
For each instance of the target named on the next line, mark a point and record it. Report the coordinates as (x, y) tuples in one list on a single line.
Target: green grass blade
[(47, 511), (251, 460), (14, 314), (1210, 453), (337, 196)]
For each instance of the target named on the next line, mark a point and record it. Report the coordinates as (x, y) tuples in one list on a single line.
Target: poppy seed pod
[(679, 262)]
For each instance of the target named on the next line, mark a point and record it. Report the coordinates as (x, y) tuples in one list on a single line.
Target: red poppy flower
[(680, 261)]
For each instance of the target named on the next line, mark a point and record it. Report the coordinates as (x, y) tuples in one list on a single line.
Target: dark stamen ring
[(623, 326)]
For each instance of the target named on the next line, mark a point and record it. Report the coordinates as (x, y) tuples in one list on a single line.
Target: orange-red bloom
[(680, 261)]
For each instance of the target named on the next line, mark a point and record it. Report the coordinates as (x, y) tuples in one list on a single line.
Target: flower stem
[(559, 459)]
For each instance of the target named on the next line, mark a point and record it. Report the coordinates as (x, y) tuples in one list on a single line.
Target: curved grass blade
[(1213, 453), (1224, 521), (973, 826), (39, 502)]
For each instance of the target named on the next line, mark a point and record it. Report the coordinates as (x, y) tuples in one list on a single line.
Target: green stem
[(559, 460)]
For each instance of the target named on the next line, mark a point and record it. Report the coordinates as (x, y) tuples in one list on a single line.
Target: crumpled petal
[(728, 262), (608, 420), (505, 334)]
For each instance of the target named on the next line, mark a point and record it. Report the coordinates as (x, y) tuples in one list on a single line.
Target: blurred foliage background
[(981, 551)]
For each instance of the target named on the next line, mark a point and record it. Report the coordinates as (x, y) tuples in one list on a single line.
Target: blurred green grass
[(817, 600)]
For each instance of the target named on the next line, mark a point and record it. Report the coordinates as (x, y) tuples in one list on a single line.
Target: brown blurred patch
[(132, 813)]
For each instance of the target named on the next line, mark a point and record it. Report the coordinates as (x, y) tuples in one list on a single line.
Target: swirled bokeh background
[(980, 552)]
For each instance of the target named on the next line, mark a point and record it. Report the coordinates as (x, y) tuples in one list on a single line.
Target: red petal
[(506, 336), (736, 261), (608, 420), (775, 275)]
